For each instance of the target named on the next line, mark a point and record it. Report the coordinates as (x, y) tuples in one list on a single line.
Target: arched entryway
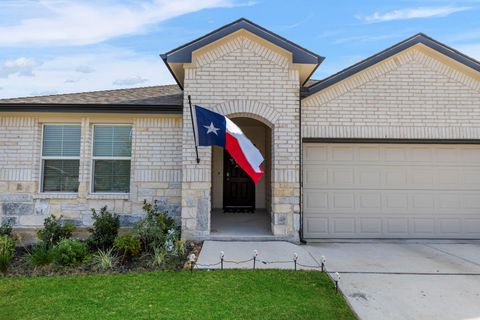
[(239, 207)]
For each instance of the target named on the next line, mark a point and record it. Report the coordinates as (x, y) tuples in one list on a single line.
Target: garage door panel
[(317, 226), (315, 200), (470, 155), (391, 202), (391, 191), (315, 153), (349, 226), (397, 226), (343, 225), (341, 153), (368, 153), (342, 177), (423, 226), (371, 226), (472, 225), (315, 176)]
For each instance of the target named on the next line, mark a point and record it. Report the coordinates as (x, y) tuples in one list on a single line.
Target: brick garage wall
[(155, 174), (241, 76), (413, 95)]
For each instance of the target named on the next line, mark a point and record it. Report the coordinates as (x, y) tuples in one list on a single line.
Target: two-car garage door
[(391, 190)]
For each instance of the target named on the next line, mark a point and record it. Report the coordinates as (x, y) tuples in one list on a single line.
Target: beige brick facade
[(243, 76), (155, 169), (413, 95)]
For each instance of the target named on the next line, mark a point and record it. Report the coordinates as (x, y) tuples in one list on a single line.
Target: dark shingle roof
[(168, 95), (362, 65)]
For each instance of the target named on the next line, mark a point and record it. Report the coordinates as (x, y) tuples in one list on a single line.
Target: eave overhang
[(419, 38), (175, 58)]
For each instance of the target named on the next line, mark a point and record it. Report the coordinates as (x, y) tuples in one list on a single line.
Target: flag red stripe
[(233, 147)]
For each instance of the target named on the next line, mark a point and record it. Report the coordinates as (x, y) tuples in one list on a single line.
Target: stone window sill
[(109, 196), (55, 196)]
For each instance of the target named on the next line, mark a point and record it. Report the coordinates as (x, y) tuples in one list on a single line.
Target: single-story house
[(387, 148)]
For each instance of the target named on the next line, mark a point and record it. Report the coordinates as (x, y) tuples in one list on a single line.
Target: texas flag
[(215, 129)]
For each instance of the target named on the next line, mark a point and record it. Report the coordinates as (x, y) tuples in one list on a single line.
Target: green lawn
[(174, 295)]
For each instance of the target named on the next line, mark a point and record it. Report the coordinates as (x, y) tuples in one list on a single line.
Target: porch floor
[(240, 224)]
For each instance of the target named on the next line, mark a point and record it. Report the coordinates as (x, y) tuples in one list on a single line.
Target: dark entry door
[(238, 187)]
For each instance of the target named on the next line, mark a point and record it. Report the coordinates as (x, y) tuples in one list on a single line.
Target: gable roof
[(155, 99), (387, 53), (183, 54)]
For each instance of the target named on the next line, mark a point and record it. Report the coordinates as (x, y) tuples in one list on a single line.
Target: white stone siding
[(155, 170), (410, 96), (242, 77)]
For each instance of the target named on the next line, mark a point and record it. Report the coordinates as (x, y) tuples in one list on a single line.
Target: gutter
[(300, 177), (90, 107)]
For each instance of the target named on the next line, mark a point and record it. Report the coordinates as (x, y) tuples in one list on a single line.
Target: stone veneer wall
[(242, 77), (155, 170), (412, 95)]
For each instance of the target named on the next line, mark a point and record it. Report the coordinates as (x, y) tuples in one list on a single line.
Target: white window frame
[(43, 158), (92, 162)]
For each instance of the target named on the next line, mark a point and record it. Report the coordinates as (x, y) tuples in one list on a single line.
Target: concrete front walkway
[(405, 280), (271, 255)]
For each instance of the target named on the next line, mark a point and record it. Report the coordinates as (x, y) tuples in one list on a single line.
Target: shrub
[(104, 260), (158, 258), (69, 252), (7, 250), (6, 228), (129, 245), (105, 229), (179, 248), (152, 230), (54, 230), (40, 255)]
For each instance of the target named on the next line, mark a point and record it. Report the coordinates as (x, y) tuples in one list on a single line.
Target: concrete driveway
[(405, 280)]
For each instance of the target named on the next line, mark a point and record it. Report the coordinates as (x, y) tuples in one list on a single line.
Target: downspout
[(300, 157)]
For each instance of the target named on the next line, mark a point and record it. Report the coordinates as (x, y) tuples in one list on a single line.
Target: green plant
[(158, 258), (6, 228), (54, 230), (69, 252), (40, 255), (105, 229), (129, 245), (7, 250), (179, 248), (152, 230), (104, 260)]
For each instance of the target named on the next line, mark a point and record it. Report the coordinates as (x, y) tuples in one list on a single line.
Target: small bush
[(104, 260), (39, 256), (179, 248), (158, 258), (152, 230), (129, 245), (6, 228), (69, 252), (54, 231), (105, 229), (7, 250)]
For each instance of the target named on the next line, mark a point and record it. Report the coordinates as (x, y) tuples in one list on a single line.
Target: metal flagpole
[(193, 127)]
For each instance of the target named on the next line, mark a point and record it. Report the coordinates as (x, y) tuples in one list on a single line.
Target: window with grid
[(60, 158), (112, 148)]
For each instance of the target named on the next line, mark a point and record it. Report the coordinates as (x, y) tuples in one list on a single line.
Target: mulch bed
[(20, 267)]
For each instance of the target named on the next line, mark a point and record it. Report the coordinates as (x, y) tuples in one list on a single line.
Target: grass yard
[(231, 294)]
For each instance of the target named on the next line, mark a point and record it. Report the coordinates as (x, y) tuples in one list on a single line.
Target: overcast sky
[(62, 46)]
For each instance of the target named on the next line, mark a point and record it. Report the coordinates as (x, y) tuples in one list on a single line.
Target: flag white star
[(211, 128)]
